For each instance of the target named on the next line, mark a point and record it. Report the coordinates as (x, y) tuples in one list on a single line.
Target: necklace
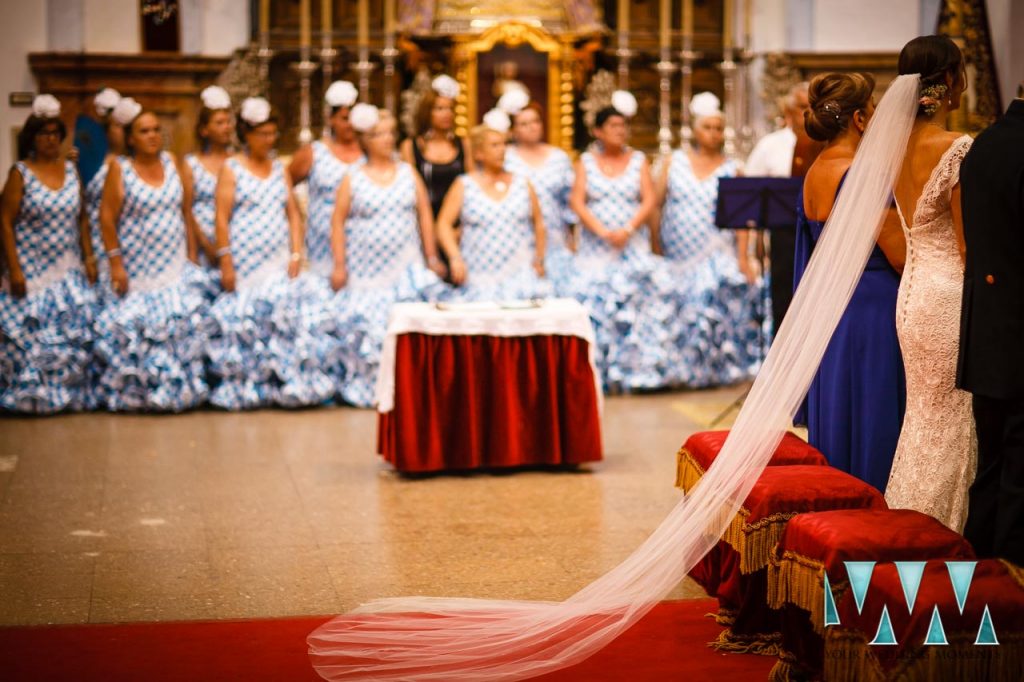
[(497, 184)]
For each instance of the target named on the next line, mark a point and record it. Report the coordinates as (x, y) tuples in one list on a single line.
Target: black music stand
[(756, 204)]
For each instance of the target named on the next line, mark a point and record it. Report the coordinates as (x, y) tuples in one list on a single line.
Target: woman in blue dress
[(856, 402), (46, 303), (500, 252), (215, 130), (323, 165), (549, 170), (104, 103), (719, 340), (383, 243), (271, 339), (151, 332)]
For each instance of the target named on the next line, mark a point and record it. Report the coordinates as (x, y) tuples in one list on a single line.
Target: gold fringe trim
[(756, 541), (800, 580), (780, 672), (849, 658), (688, 472), (724, 617), (762, 645), (1016, 572)]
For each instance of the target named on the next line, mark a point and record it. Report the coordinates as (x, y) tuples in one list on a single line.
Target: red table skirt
[(471, 402)]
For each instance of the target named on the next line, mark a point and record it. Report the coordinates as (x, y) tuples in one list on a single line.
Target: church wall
[(22, 30), (864, 26), (1006, 21), (112, 26)]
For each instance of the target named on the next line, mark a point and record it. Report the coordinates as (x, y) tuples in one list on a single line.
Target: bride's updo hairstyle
[(936, 58), (833, 99)]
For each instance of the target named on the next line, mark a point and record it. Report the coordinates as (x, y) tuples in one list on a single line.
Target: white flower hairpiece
[(497, 120), (624, 103), (255, 110), (446, 86), (125, 111), (705, 104), (514, 101), (105, 101), (341, 94), (45, 106), (364, 117), (215, 97)]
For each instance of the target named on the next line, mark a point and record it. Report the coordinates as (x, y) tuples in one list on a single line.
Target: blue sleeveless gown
[(855, 405)]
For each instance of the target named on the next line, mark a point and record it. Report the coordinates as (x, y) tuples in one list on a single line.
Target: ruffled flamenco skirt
[(150, 346), (272, 344), (659, 324), (46, 347), (361, 315)]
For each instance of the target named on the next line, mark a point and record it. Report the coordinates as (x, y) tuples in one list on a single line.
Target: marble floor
[(213, 515)]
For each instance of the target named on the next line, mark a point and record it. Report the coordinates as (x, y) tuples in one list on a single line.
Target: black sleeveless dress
[(438, 177)]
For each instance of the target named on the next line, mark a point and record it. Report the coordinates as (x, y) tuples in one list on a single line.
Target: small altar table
[(485, 385)]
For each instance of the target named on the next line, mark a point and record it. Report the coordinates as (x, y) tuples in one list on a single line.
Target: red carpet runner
[(669, 643)]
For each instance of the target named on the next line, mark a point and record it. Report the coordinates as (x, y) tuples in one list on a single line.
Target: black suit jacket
[(992, 319)]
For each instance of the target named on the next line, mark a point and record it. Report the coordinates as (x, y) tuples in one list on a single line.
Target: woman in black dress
[(435, 151)]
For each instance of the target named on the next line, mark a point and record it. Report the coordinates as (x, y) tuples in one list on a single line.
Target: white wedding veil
[(422, 638)]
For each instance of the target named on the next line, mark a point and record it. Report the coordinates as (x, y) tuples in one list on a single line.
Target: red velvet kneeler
[(779, 494), (718, 572), (996, 584), (700, 450), (816, 543)]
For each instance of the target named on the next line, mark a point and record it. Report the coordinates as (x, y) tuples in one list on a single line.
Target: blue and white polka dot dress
[(325, 176), (551, 181), (204, 209), (271, 340), (715, 332), (93, 196), (150, 342), (614, 201), (497, 244), (46, 337), (384, 260)]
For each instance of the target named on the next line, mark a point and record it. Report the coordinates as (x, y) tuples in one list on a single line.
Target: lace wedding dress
[(937, 454)]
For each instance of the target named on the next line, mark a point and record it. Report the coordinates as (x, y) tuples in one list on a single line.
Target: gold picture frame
[(473, 51)]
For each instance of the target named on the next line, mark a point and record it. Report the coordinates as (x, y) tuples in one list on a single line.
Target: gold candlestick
[(304, 18), (666, 24), (264, 16), (727, 28), (363, 38)]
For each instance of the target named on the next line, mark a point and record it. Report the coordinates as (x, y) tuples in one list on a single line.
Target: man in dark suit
[(991, 362)]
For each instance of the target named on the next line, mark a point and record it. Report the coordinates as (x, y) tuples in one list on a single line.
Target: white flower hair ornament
[(497, 120), (125, 111), (341, 94), (514, 101), (215, 97), (45, 106), (105, 101), (705, 104), (624, 103), (364, 117), (255, 111), (445, 86)]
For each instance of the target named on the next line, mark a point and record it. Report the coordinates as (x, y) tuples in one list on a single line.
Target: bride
[(937, 453), (461, 640)]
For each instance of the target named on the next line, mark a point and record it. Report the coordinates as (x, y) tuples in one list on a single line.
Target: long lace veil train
[(423, 638)]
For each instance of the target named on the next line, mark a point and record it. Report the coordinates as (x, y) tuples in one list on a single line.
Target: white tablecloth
[(554, 317)]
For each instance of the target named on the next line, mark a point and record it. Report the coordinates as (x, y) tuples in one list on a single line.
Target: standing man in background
[(788, 152)]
